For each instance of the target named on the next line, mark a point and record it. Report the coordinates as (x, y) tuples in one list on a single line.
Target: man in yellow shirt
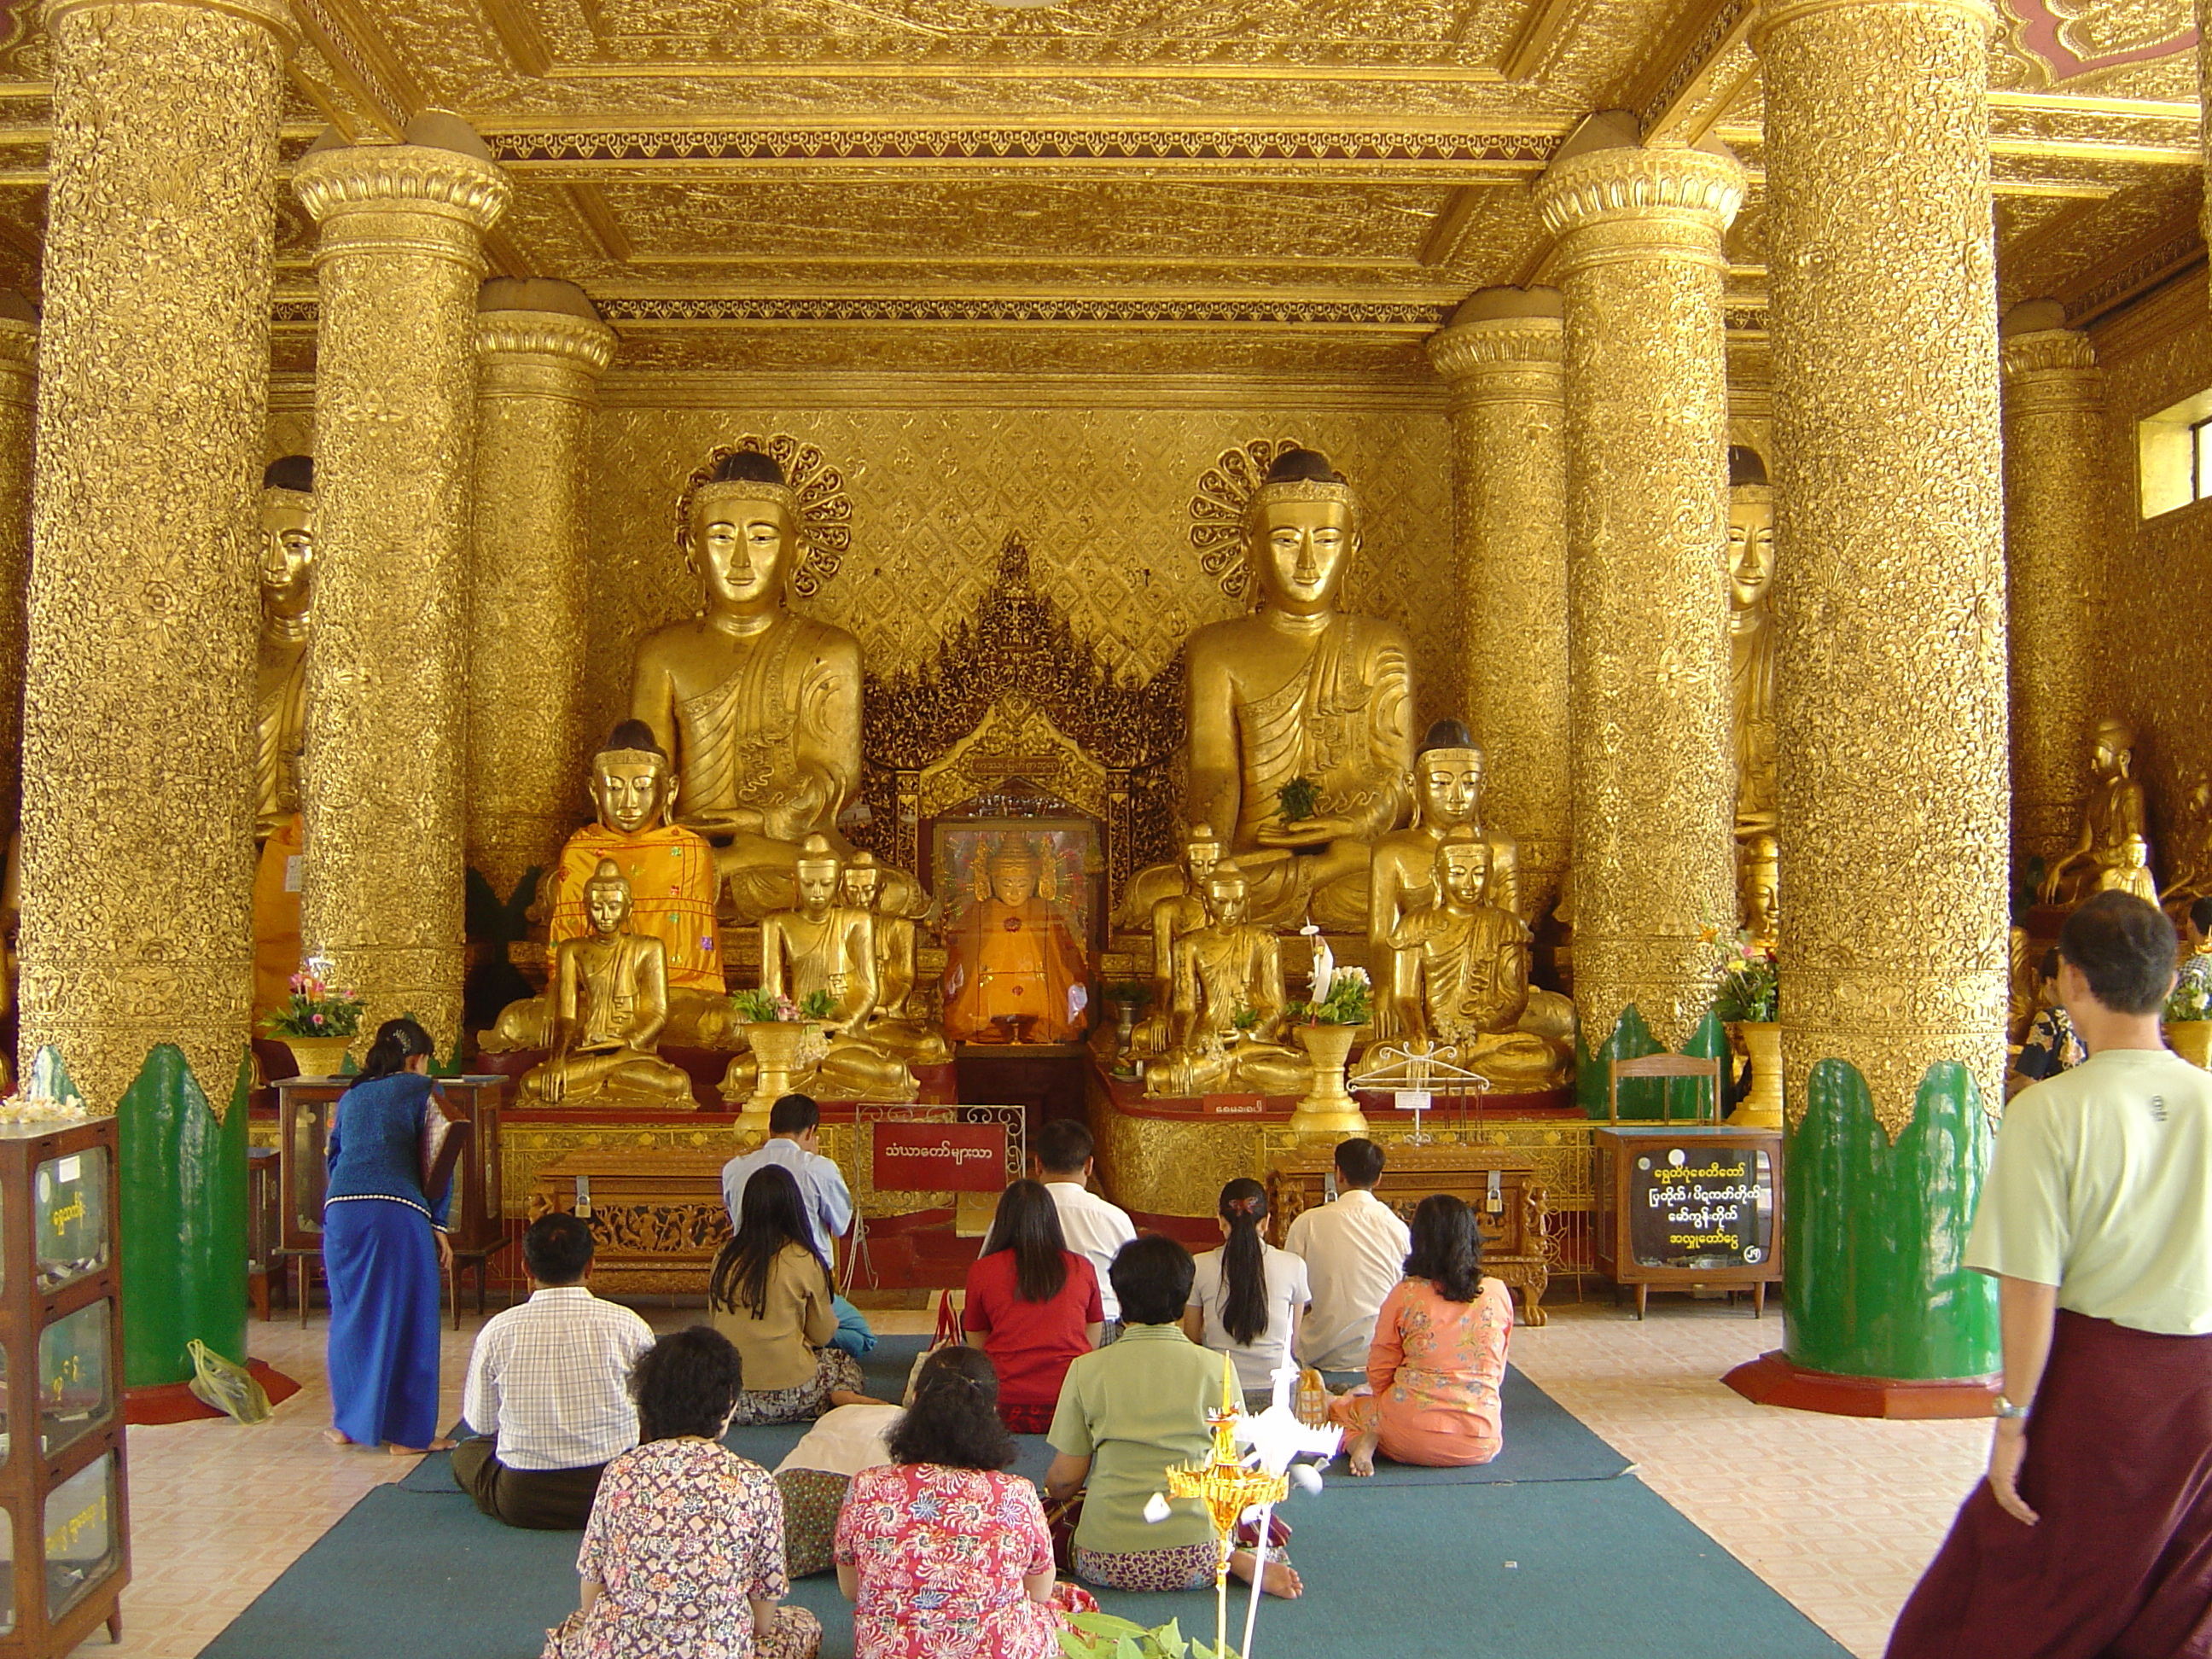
[(2093, 1533)]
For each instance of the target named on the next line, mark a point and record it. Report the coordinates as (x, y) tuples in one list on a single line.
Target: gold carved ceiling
[(1271, 187)]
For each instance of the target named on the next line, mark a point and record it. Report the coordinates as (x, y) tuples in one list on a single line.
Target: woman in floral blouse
[(946, 1557), (1439, 1353), (683, 1557)]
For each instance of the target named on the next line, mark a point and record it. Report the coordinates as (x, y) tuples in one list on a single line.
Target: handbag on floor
[(947, 1336)]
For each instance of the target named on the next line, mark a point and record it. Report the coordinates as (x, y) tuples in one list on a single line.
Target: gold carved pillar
[(386, 776), (19, 379), (1891, 753), (1654, 788), (2054, 407), (138, 718), (1503, 360), (540, 349)]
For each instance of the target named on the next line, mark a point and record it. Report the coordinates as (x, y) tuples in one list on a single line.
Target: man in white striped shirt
[(548, 1390), (1092, 1228)]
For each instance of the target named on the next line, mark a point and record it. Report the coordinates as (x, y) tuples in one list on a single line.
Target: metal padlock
[(583, 1210), (1495, 1201)]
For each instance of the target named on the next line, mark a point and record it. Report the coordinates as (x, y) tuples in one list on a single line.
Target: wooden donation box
[(307, 1106), (1511, 1209), (1689, 1208), (655, 1213), (63, 1507)]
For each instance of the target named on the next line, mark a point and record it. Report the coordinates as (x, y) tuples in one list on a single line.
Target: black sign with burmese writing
[(1699, 1207)]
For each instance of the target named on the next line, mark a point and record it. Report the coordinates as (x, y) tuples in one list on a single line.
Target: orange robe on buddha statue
[(672, 883), (1012, 959)]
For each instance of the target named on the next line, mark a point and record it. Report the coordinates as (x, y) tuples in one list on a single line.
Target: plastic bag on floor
[(227, 1386)]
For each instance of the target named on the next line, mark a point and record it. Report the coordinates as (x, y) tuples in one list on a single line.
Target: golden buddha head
[(1759, 878), (606, 898), (1751, 530), (1227, 893), (1013, 873), (817, 873), (1202, 851), (630, 781), (863, 880), (2115, 748), (287, 532), (1447, 771), (1463, 866), (1301, 530), (2134, 854), (744, 532)]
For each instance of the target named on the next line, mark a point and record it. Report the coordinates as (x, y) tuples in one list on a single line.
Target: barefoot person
[(384, 1246), (1439, 1355), (1127, 1414), (2089, 1536)]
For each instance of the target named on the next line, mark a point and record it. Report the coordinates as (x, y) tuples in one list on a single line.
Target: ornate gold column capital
[(1628, 202), (1779, 14), (401, 197), (1471, 355), (274, 16), (541, 354), (2051, 365)]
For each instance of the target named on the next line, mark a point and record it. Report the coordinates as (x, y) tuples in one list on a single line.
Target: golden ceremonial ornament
[(1228, 1487)]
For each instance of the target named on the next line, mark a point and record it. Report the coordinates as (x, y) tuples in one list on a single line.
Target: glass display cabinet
[(63, 1504)]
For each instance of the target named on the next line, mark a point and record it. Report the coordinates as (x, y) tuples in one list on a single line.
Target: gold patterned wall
[(1101, 494)]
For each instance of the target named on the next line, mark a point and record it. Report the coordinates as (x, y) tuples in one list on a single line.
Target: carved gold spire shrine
[(397, 270)]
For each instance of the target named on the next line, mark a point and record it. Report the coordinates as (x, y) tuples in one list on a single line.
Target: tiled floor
[(1838, 1515)]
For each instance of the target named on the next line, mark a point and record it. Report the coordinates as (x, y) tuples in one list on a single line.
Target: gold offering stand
[(1228, 1487), (1426, 1071)]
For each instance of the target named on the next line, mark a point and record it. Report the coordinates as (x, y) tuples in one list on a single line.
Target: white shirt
[(1355, 1251), (1094, 1231), (1258, 1360), (822, 1189), (846, 1440), (550, 1379)]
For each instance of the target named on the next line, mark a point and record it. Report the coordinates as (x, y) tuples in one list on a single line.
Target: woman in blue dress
[(384, 1245)]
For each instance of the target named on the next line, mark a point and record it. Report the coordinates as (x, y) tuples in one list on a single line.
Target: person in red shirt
[(1033, 1306)]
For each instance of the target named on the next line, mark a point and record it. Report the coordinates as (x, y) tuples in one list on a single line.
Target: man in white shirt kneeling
[(548, 1393), (1355, 1252), (1094, 1229)]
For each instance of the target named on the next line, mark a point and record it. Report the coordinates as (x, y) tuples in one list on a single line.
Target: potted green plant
[(1327, 1025), (777, 1028), (1749, 1001), (2189, 1022), (318, 1022), (1128, 996)]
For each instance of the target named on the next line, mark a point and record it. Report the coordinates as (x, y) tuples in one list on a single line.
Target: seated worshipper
[(683, 1557), (815, 1473), (1246, 1299), (945, 1555), (2088, 1537), (1033, 1305), (1430, 1397), (2196, 942), (1060, 1155), (768, 1293), (1354, 1250), (1126, 1414), (2050, 1046), (794, 1143), (548, 1387)]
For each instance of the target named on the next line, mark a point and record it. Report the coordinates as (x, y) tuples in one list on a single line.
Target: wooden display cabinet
[(63, 1503), (1688, 1208)]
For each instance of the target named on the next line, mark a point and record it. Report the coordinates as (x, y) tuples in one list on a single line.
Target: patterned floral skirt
[(797, 1634), (834, 1369), (1187, 1567), (811, 1498), (1026, 1419)]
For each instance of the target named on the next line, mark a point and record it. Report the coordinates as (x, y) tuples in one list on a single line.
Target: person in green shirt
[(1126, 1414)]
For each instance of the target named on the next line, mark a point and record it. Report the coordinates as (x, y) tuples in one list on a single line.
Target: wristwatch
[(2006, 1409)]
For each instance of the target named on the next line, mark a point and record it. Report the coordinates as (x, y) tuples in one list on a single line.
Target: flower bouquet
[(317, 1008)]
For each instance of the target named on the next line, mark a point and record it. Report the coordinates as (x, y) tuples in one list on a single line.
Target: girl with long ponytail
[(1248, 1297)]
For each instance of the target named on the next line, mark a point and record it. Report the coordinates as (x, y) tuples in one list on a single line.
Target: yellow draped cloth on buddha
[(1008, 959), (672, 885)]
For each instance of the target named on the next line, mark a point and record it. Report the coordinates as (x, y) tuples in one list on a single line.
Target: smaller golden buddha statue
[(1758, 878), (2132, 873), (825, 946), (1299, 705), (1173, 915), (673, 886), (1225, 1023), (1470, 960), (898, 1022), (1751, 639), (2114, 812), (1011, 957), (280, 680), (2189, 847), (1447, 777), (610, 1006)]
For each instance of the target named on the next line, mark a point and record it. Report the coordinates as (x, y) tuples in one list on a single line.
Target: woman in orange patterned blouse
[(1439, 1353)]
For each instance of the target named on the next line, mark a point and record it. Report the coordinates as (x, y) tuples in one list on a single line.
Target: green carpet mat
[(1543, 1442), (1559, 1570)]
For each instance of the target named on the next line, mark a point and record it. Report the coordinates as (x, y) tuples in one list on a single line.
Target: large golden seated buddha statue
[(2113, 816), (826, 947), (1300, 746), (898, 1022), (1226, 1020), (280, 687), (672, 883), (610, 1006), (1469, 959)]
